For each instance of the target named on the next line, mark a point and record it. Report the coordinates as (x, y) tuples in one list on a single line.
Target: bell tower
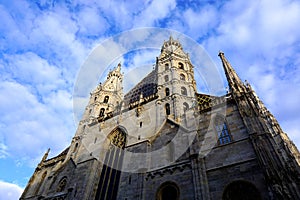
[(107, 97), (176, 83)]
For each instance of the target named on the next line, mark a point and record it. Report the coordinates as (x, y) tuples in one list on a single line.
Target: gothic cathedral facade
[(163, 140)]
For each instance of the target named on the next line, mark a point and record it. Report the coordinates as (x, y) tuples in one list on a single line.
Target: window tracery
[(110, 174), (221, 127), (61, 185)]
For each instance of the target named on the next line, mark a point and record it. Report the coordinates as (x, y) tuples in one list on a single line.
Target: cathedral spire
[(234, 82)]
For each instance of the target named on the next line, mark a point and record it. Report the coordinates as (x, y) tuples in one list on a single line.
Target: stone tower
[(107, 97), (163, 140), (176, 83)]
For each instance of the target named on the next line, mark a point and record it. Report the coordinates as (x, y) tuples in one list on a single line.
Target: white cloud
[(30, 68), (155, 11), (32, 125), (9, 191), (199, 22), (90, 22)]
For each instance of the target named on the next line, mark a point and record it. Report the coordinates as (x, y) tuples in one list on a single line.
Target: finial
[(221, 53), (119, 67), (45, 155)]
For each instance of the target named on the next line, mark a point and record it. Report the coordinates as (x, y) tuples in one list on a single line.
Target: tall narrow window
[(185, 107), (166, 78), (182, 77), (180, 65), (110, 174), (167, 91), (183, 91), (106, 99), (224, 136), (101, 112), (61, 185), (167, 106), (166, 66)]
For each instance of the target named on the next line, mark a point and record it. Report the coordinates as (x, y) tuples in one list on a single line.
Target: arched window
[(95, 98), (185, 107), (166, 66), (183, 91), (167, 107), (168, 191), (167, 91), (61, 185), (110, 175), (106, 99), (241, 190), (221, 127), (101, 112), (180, 65), (182, 77), (166, 78)]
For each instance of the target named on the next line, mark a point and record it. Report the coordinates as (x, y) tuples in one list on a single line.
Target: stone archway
[(110, 174), (241, 190), (168, 191)]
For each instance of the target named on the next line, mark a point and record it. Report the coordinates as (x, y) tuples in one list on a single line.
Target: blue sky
[(43, 44)]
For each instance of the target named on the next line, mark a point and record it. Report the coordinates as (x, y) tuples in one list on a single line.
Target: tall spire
[(234, 82)]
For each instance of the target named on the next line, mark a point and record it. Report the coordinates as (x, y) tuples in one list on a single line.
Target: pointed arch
[(61, 184), (167, 91), (241, 189), (101, 114), (222, 130), (183, 91), (167, 108), (166, 77), (168, 190), (166, 66), (185, 106), (106, 98), (110, 174), (180, 65), (182, 77)]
